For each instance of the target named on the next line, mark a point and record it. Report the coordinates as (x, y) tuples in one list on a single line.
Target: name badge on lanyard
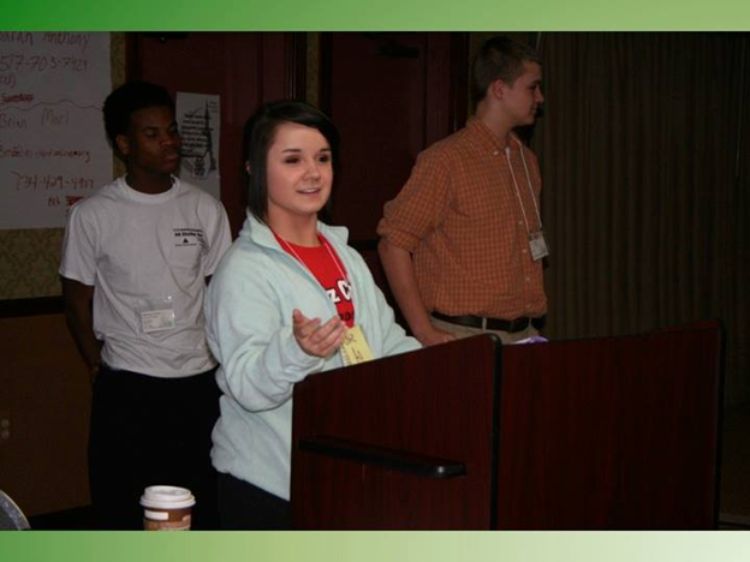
[(157, 314), (537, 245), (355, 348)]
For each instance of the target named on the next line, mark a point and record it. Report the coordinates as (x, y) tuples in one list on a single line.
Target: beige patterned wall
[(28, 263), (29, 258)]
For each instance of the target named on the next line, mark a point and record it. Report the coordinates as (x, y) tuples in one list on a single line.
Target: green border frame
[(391, 15), (476, 546), (371, 15)]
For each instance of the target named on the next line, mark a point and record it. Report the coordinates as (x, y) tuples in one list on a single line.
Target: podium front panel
[(404, 442), (611, 433)]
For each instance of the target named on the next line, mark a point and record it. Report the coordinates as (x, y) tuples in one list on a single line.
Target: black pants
[(148, 430), (243, 506)]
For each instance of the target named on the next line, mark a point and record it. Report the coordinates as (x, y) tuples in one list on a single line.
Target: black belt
[(510, 326)]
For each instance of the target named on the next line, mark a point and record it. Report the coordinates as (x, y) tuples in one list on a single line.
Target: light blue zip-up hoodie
[(248, 308)]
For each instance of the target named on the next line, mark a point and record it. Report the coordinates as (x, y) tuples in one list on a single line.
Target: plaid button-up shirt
[(467, 224)]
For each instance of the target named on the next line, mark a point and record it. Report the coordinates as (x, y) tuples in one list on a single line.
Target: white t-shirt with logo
[(147, 257)]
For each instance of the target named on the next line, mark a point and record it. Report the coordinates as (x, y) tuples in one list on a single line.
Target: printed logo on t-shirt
[(188, 237), (328, 270), (341, 297), (343, 290)]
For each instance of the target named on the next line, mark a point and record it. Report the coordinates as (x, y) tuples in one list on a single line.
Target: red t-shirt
[(325, 265)]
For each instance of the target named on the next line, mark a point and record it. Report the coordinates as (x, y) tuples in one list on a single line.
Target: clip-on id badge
[(355, 348), (157, 315)]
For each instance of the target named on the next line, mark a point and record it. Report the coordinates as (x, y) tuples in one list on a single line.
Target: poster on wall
[(53, 148), (198, 119)]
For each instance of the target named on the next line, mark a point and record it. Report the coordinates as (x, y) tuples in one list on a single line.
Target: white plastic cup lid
[(167, 497)]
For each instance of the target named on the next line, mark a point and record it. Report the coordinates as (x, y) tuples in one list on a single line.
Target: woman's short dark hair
[(126, 100), (499, 58), (258, 136)]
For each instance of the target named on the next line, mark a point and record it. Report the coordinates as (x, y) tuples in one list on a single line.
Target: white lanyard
[(528, 181)]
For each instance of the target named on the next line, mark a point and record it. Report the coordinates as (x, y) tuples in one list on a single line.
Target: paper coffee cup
[(167, 508)]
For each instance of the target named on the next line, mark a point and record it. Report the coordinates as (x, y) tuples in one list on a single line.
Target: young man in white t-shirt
[(137, 256)]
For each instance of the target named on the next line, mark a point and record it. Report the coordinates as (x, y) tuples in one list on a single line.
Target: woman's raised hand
[(320, 340)]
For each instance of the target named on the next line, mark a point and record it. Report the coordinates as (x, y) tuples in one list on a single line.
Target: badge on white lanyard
[(157, 315), (537, 245)]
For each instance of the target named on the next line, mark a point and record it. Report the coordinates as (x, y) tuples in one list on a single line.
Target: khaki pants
[(465, 331)]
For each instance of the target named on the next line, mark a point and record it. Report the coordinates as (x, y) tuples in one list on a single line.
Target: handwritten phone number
[(39, 63), (46, 182)]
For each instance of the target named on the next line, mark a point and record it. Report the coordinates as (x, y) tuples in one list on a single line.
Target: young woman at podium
[(290, 298)]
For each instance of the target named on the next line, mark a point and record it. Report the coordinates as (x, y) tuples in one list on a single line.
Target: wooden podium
[(605, 433)]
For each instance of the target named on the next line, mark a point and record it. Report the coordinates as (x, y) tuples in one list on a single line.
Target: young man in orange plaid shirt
[(462, 244)]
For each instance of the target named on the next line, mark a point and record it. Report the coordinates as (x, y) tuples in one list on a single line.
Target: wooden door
[(391, 95)]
